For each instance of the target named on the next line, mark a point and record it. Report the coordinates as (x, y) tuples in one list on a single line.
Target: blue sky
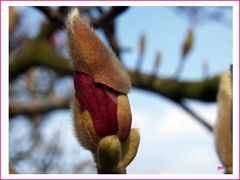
[(165, 31), (171, 141)]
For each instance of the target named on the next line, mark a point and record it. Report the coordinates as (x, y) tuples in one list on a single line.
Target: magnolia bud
[(187, 43), (142, 43), (223, 129), (102, 114), (109, 153)]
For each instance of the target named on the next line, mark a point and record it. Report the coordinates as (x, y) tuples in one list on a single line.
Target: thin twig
[(106, 21), (109, 32), (197, 117), (11, 169), (108, 16), (52, 15), (179, 68), (38, 106), (57, 18)]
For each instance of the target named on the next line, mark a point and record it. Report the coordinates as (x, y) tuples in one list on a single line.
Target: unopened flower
[(223, 128), (187, 43), (102, 114)]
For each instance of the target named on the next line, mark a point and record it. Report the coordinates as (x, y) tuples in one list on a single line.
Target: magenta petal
[(100, 102)]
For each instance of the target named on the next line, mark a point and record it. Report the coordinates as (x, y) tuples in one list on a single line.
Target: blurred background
[(174, 56)]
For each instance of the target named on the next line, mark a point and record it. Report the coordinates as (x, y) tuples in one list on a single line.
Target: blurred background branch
[(38, 106)]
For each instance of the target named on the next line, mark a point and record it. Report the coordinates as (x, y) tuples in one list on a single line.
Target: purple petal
[(101, 103)]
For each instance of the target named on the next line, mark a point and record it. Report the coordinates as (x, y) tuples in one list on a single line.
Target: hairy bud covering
[(92, 57)]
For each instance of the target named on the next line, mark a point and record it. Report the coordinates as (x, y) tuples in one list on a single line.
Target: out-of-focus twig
[(36, 139), (52, 15), (205, 90), (205, 69), (196, 116), (106, 21), (11, 169), (57, 18), (38, 106), (142, 45), (14, 18), (155, 66), (201, 14), (179, 69), (109, 32), (108, 16)]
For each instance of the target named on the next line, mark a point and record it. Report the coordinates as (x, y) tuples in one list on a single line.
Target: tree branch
[(39, 52), (38, 106), (107, 17), (106, 21), (57, 18), (52, 15), (175, 90)]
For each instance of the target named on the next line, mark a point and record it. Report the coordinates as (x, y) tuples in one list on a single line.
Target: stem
[(139, 62), (117, 171), (179, 69), (198, 118), (138, 67)]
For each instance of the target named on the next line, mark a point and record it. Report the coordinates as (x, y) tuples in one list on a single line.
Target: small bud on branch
[(157, 63), (223, 128), (142, 44), (187, 43)]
